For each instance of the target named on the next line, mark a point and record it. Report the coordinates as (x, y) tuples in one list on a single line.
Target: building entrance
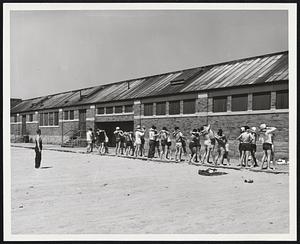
[(110, 127)]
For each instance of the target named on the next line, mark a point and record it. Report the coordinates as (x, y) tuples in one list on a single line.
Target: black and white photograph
[(149, 121)]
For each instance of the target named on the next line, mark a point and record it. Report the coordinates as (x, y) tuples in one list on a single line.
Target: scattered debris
[(210, 172), (105, 184), (248, 181)]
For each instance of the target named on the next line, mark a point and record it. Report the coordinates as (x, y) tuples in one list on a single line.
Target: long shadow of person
[(46, 167)]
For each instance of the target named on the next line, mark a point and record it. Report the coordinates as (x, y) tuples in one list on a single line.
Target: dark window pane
[(100, 110), (45, 118), (128, 108), (161, 108), (118, 109), (50, 118), (261, 101), (148, 109), (174, 107), (219, 104), (56, 118), (71, 114), (30, 117), (282, 99), (239, 103), (66, 115), (41, 120), (15, 118), (189, 106), (109, 110)]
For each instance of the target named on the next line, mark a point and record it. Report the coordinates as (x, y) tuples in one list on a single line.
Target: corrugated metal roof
[(255, 70)]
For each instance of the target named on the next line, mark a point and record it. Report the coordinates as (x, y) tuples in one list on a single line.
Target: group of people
[(133, 144)]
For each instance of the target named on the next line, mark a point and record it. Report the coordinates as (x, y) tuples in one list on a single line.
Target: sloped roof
[(255, 70)]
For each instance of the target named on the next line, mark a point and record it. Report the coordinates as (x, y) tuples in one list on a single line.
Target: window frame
[(98, 109), (148, 109), (225, 98), (112, 110), (287, 101), (119, 112), (244, 96), (171, 103), (193, 101), (131, 108), (265, 101)]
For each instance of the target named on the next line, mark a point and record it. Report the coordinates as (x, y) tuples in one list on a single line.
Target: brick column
[(250, 97), (137, 112), (210, 104), (181, 106), (76, 114), (167, 107), (273, 100), (61, 123), (90, 117), (154, 108), (229, 103)]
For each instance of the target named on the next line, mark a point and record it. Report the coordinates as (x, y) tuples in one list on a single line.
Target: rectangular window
[(161, 108), (66, 115), (148, 109), (71, 114), (51, 119), (282, 99), (30, 117), (41, 119), (174, 107), (15, 119), (128, 108), (261, 101), (100, 110), (239, 102), (56, 118), (109, 110), (118, 109), (46, 119), (219, 104), (189, 106)]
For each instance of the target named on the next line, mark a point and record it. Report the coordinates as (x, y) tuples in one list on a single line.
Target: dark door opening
[(82, 123), (23, 124), (110, 127)]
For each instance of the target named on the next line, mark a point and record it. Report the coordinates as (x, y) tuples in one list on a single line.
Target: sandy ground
[(91, 194)]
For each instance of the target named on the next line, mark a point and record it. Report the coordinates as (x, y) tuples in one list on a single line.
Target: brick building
[(228, 95)]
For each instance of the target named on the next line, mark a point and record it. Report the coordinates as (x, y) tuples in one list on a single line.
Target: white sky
[(55, 51)]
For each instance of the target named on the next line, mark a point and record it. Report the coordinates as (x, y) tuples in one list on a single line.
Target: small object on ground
[(281, 161), (248, 181), (30, 186), (210, 172), (21, 206), (105, 184), (128, 194)]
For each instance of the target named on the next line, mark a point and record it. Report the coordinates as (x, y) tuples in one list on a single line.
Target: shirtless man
[(209, 143), (266, 137), (178, 139), (139, 133), (246, 140)]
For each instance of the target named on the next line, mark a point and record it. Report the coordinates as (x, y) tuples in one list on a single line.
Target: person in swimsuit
[(209, 143), (118, 133), (101, 140), (163, 135), (222, 140), (139, 133), (266, 137), (193, 145), (246, 140), (253, 146), (178, 139)]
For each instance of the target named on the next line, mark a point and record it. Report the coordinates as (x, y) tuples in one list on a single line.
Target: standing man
[(209, 143), (267, 140), (152, 141), (178, 139), (89, 139), (38, 149)]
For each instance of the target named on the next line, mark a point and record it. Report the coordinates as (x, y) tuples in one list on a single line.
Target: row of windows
[(48, 119), (117, 110), (174, 107), (260, 101), (69, 115)]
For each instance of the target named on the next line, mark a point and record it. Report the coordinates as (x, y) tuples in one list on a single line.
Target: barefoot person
[(178, 139), (193, 146), (101, 140), (152, 141), (139, 133), (38, 149), (222, 140), (89, 139), (245, 140), (209, 143), (266, 137), (163, 136), (253, 146), (118, 134)]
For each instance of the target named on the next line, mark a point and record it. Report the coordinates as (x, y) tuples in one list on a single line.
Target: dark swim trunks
[(267, 146)]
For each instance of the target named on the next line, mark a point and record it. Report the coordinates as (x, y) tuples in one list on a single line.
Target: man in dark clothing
[(38, 149)]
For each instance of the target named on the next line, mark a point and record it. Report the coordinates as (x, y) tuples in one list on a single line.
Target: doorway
[(23, 125), (110, 127)]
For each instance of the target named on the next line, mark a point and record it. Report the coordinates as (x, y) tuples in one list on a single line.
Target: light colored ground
[(90, 194)]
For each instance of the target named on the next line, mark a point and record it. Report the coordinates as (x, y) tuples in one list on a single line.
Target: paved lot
[(92, 194)]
